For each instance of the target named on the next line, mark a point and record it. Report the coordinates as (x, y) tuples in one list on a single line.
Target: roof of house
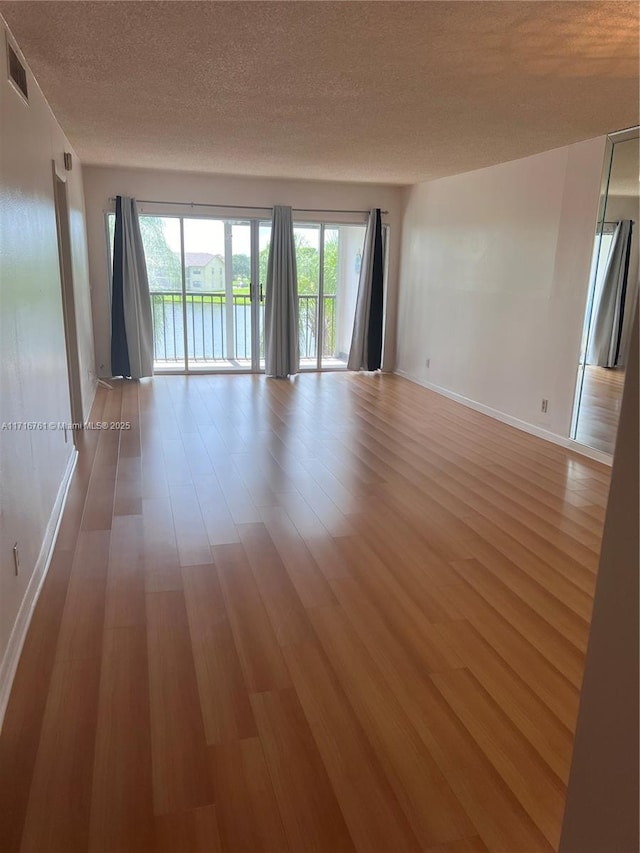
[(199, 259), (196, 259)]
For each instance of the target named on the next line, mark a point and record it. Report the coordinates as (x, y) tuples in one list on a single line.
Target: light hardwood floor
[(600, 407), (338, 613)]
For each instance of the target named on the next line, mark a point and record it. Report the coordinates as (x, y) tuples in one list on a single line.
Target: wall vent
[(17, 71)]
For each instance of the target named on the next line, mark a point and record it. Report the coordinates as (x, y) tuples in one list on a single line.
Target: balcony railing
[(218, 331)]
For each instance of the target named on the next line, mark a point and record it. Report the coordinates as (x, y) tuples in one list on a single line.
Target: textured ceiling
[(390, 92)]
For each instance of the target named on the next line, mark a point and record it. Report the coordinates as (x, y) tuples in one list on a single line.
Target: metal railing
[(218, 331), (215, 331), (308, 325)]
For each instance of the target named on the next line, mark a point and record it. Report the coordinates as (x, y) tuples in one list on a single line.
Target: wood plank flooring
[(600, 407), (337, 613)]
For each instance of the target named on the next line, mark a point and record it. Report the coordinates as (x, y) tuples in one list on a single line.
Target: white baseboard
[(9, 663), (532, 429), (88, 404)]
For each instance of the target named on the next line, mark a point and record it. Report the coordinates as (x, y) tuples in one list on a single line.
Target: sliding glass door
[(328, 259), (307, 243), (162, 238), (342, 258), (206, 291), (218, 294), (207, 277)]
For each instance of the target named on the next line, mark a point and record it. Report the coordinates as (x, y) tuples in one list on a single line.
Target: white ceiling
[(389, 92)]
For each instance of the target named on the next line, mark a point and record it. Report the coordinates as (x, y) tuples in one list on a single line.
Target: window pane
[(307, 242), (161, 241), (111, 225), (218, 303), (342, 259)]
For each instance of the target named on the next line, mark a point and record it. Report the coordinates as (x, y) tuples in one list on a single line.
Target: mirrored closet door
[(612, 298)]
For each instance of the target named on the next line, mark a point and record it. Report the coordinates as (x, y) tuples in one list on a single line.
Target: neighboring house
[(204, 271)]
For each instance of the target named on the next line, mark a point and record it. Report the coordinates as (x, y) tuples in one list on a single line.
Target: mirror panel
[(613, 292)]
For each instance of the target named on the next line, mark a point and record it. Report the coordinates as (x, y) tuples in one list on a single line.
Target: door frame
[(65, 259), (257, 289), (255, 295), (254, 289)]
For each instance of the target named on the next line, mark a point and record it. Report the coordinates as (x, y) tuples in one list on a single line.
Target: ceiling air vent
[(17, 72)]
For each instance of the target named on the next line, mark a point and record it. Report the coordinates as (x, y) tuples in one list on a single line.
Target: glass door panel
[(205, 277), (307, 242), (239, 234), (161, 241), (217, 266), (342, 257)]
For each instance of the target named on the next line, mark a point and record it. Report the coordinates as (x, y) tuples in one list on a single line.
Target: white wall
[(103, 183), (33, 370), (493, 281)]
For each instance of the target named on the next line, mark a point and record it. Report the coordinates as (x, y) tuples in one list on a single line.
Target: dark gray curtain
[(608, 308), (282, 357), (366, 342), (131, 319)]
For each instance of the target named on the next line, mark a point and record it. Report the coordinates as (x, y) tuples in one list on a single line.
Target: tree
[(331, 263), (163, 264), (241, 268), (308, 267), (308, 264), (263, 263)]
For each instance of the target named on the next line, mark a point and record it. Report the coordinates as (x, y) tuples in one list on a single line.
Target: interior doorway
[(68, 300)]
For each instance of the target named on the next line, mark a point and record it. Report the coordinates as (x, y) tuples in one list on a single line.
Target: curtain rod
[(249, 206)]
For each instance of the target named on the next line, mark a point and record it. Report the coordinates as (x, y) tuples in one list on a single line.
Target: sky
[(207, 235)]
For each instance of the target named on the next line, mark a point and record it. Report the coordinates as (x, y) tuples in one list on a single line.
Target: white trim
[(569, 443), (625, 134), (9, 663), (89, 404)]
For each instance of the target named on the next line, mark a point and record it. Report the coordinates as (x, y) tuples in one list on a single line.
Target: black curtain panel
[(131, 318), (119, 351), (623, 294), (374, 341), (365, 352)]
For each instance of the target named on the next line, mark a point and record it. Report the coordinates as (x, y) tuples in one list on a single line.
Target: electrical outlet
[(545, 405), (16, 559), (427, 363)]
